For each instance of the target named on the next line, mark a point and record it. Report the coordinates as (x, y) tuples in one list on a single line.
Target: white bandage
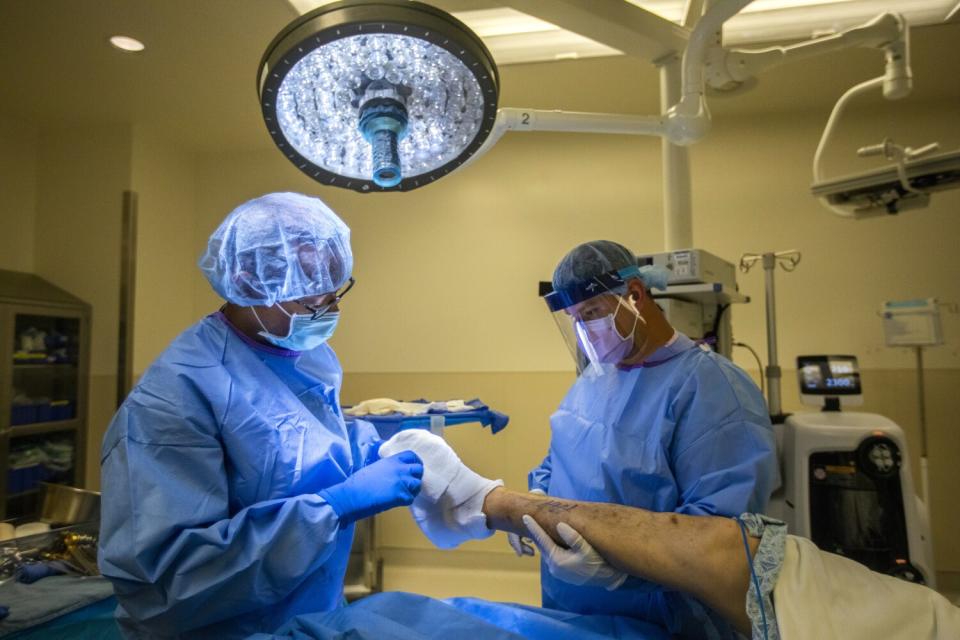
[(449, 508), (440, 463)]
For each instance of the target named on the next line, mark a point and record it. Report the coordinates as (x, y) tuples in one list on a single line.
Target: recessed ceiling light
[(126, 43)]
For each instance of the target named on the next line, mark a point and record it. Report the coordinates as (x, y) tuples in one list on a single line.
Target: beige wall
[(164, 179), (756, 199), (442, 258), (446, 303), (18, 193), (82, 173), (61, 205)]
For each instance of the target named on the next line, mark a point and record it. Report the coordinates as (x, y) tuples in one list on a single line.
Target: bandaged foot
[(449, 508)]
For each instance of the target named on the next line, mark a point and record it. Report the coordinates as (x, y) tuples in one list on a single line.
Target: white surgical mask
[(304, 333)]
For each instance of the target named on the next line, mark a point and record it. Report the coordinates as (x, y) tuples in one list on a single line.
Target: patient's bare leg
[(701, 555)]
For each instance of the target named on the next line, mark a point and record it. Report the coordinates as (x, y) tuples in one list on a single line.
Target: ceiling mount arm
[(684, 123), (900, 155), (516, 119), (689, 120), (729, 68)]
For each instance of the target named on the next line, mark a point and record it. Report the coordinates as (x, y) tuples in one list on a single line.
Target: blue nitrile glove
[(373, 454), (30, 573), (384, 484)]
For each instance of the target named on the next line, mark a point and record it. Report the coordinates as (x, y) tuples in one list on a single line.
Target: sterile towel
[(386, 406), (34, 604)]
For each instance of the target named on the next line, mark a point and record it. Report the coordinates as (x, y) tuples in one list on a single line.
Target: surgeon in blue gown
[(654, 421), (230, 479)]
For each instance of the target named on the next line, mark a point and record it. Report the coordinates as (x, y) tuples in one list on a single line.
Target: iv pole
[(922, 410), (788, 261)]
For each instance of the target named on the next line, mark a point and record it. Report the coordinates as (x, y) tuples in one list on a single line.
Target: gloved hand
[(384, 484), (458, 515), (373, 453), (523, 546), (440, 462), (580, 564), (30, 573)]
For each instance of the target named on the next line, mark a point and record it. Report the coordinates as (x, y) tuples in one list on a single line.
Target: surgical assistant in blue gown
[(213, 464), (212, 526), (687, 431)]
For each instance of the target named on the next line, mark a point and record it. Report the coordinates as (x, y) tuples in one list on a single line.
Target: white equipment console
[(693, 266), (700, 289), (847, 479)]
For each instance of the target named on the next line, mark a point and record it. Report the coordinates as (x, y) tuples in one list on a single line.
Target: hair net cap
[(278, 247), (591, 259)]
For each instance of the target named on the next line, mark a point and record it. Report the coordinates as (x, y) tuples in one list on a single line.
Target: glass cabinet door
[(44, 392), (46, 375)]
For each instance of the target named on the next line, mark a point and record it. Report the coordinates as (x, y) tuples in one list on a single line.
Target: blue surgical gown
[(211, 523), (688, 434)]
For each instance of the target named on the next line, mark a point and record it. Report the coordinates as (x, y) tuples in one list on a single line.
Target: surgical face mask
[(609, 346), (304, 333)]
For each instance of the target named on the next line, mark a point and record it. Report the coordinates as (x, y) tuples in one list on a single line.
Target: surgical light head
[(281, 246), (378, 95)]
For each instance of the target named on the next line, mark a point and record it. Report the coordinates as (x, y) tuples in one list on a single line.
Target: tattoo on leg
[(555, 506)]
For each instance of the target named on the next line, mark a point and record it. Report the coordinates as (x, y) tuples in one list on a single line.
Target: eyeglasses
[(318, 311)]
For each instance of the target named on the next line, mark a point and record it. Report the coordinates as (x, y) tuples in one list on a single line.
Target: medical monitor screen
[(829, 375)]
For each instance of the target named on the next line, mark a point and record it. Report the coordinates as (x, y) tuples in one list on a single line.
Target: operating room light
[(126, 43), (378, 95)]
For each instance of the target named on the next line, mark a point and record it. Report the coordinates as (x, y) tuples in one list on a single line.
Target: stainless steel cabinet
[(44, 377)]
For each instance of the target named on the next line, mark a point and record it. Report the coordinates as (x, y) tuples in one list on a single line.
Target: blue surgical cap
[(278, 247), (591, 259)]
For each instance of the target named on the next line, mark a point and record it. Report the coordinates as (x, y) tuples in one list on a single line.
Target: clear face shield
[(587, 318)]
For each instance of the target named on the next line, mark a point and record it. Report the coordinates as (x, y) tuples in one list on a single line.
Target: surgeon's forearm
[(700, 555)]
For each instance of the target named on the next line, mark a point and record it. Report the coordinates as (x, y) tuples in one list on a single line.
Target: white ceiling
[(195, 83), (517, 37)]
